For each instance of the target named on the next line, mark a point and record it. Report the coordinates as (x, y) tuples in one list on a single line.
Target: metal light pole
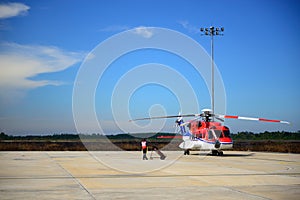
[(212, 31)]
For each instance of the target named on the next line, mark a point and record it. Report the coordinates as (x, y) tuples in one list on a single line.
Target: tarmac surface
[(124, 175)]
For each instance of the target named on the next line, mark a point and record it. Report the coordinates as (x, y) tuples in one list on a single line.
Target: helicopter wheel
[(187, 152), (215, 153)]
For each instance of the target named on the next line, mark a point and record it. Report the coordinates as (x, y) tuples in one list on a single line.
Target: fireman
[(144, 149)]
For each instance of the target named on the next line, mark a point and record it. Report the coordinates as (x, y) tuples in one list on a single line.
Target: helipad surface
[(123, 175)]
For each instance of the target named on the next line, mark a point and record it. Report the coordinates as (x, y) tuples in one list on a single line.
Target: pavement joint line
[(77, 181), (150, 176), (272, 160), (242, 192)]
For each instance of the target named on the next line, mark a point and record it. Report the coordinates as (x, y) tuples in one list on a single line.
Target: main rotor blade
[(162, 117), (251, 118), (220, 119), (190, 121)]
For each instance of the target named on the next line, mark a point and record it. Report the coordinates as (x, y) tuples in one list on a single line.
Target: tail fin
[(185, 134)]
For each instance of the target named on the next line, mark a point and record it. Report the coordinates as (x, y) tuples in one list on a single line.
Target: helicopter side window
[(199, 135), (219, 133), (199, 124), (210, 135)]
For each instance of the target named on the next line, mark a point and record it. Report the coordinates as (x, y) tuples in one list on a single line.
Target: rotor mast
[(212, 31)]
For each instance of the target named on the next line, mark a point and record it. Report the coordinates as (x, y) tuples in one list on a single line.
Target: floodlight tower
[(212, 31)]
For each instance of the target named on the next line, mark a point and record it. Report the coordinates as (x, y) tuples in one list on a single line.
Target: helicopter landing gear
[(186, 152), (217, 153)]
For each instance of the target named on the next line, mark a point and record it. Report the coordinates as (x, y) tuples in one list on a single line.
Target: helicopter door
[(210, 135)]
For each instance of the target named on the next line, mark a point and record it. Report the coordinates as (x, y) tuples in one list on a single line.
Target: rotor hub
[(206, 114)]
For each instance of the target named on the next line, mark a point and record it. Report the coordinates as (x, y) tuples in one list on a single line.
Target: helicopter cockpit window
[(226, 133)]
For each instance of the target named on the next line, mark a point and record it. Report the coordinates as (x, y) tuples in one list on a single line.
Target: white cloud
[(114, 28), (20, 63), (90, 56), (143, 31), (190, 28), (8, 10), (146, 32)]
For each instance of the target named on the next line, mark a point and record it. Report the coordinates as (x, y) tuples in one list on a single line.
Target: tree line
[(277, 135)]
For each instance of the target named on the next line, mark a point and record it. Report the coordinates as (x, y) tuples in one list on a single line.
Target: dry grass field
[(284, 146)]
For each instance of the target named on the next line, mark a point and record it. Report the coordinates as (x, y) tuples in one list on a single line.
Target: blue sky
[(43, 45)]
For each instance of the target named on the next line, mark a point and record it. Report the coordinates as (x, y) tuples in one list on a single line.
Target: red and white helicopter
[(204, 133)]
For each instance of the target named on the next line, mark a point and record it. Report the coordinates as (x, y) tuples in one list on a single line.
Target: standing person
[(144, 149)]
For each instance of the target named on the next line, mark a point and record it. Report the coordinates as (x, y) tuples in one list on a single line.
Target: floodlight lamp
[(206, 29), (222, 29), (217, 29), (201, 29)]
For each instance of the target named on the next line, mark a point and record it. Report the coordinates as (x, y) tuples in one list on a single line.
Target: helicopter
[(204, 132)]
